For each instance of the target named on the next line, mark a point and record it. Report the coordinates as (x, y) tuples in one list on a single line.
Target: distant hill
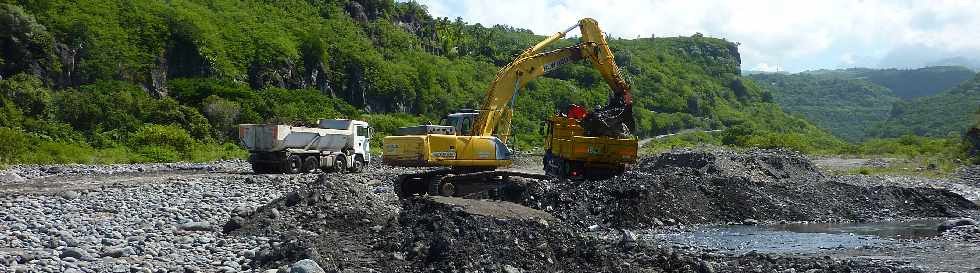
[(906, 83), (972, 63), (843, 106), (938, 115), (754, 72)]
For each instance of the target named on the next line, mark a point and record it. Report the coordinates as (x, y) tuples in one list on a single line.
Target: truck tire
[(293, 164), (310, 164), (357, 165), (340, 164)]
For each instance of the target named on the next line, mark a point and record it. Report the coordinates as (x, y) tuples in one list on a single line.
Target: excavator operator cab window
[(462, 122), (465, 124)]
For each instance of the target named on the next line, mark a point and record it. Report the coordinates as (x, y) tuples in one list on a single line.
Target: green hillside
[(940, 115), (907, 83), (123, 81), (845, 107), (973, 139)]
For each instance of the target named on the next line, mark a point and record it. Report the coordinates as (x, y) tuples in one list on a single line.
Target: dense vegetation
[(906, 83), (973, 139), (941, 115), (123, 81), (846, 107)]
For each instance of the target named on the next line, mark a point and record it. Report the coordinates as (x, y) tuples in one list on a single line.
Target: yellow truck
[(472, 144)]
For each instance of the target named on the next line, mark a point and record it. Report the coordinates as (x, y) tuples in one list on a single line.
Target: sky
[(774, 35)]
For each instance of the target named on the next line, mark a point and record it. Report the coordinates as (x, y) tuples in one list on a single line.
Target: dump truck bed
[(270, 138)]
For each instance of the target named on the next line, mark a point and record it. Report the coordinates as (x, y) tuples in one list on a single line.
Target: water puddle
[(798, 238)]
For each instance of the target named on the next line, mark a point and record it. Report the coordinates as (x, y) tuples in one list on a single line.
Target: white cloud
[(766, 67), (797, 35)]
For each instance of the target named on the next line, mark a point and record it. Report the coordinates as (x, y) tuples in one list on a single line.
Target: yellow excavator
[(471, 144)]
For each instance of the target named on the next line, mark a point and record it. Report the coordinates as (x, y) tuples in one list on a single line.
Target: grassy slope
[(844, 106)]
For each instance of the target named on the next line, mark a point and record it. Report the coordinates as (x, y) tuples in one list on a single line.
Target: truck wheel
[(310, 164), (356, 166), (294, 164), (340, 164)]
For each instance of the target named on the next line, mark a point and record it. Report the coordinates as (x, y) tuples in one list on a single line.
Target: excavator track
[(458, 183)]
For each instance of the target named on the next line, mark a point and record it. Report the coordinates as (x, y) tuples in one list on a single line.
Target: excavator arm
[(497, 107)]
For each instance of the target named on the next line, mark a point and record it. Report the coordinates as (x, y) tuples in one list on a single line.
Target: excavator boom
[(498, 102)]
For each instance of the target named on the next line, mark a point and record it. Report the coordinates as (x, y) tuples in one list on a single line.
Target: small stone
[(706, 267), (629, 239), (306, 266), (11, 178), (70, 195), (292, 199), (73, 252), (398, 256), (196, 226), (377, 228), (234, 224), (232, 264), (750, 222), (511, 269), (117, 252), (274, 213), (248, 254)]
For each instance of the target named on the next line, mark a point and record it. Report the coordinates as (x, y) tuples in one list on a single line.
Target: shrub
[(155, 153), (154, 137), (12, 144)]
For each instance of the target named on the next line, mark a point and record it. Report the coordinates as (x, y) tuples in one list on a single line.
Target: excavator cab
[(462, 121)]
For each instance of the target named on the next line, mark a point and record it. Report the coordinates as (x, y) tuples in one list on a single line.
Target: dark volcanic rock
[(695, 186), (950, 224)]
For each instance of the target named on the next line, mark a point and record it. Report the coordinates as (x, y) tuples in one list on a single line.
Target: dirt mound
[(352, 223), (335, 220), (717, 186), (458, 235)]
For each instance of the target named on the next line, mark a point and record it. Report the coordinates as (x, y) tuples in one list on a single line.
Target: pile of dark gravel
[(335, 220), (718, 186), (444, 234)]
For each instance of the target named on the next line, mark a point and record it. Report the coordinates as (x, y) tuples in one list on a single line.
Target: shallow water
[(798, 238)]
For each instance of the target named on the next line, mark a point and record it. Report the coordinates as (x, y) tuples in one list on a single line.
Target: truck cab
[(362, 139)]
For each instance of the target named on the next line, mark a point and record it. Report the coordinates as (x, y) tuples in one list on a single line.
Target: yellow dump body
[(434, 150), (567, 140)]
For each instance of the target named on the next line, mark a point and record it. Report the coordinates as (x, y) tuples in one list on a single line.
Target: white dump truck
[(334, 145)]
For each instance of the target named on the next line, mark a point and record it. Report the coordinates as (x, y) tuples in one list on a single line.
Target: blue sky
[(774, 35)]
